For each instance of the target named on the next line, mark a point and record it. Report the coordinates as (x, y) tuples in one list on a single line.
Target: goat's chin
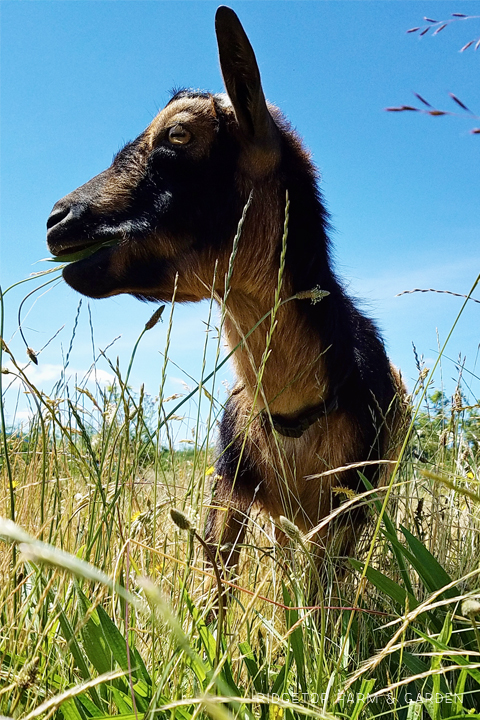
[(93, 276), (113, 271), (85, 286)]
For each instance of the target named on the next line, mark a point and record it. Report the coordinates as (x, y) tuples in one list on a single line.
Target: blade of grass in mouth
[(82, 254)]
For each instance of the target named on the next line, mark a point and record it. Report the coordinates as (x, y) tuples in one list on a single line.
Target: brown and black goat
[(167, 210)]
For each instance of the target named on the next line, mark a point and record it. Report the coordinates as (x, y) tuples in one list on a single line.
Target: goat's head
[(170, 202)]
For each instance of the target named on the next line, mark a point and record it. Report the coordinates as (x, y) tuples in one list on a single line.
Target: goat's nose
[(59, 213), (63, 221), (65, 214)]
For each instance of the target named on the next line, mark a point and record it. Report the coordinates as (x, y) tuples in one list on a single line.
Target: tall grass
[(106, 603)]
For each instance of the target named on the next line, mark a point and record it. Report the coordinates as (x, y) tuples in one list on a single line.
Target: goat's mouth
[(80, 251), (111, 267), (92, 269), (87, 264)]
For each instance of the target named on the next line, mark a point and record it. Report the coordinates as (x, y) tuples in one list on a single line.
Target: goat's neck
[(293, 376)]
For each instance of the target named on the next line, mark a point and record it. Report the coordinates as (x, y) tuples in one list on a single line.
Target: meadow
[(106, 601)]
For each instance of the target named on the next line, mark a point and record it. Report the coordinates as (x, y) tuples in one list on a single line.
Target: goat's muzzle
[(66, 228)]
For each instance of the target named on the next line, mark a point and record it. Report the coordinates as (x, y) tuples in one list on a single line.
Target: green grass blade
[(118, 647), (77, 654), (93, 638), (251, 664), (70, 711), (296, 639), (429, 569), (387, 586), (115, 640), (206, 637), (457, 658), (391, 534), (362, 698)]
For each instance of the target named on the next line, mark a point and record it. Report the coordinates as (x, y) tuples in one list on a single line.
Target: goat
[(166, 213)]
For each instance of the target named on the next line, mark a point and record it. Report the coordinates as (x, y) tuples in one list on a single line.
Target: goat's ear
[(242, 81)]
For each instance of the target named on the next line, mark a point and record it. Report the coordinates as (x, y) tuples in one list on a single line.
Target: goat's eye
[(178, 135)]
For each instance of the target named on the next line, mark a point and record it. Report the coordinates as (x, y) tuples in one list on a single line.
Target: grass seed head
[(471, 606), (32, 355), (181, 520), (315, 294), (157, 315), (290, 529)]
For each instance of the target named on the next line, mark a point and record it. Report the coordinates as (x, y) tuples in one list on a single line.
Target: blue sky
[(80, 78)]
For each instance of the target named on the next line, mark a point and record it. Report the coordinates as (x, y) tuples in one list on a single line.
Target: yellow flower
[(210, 470), (275, 712)]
